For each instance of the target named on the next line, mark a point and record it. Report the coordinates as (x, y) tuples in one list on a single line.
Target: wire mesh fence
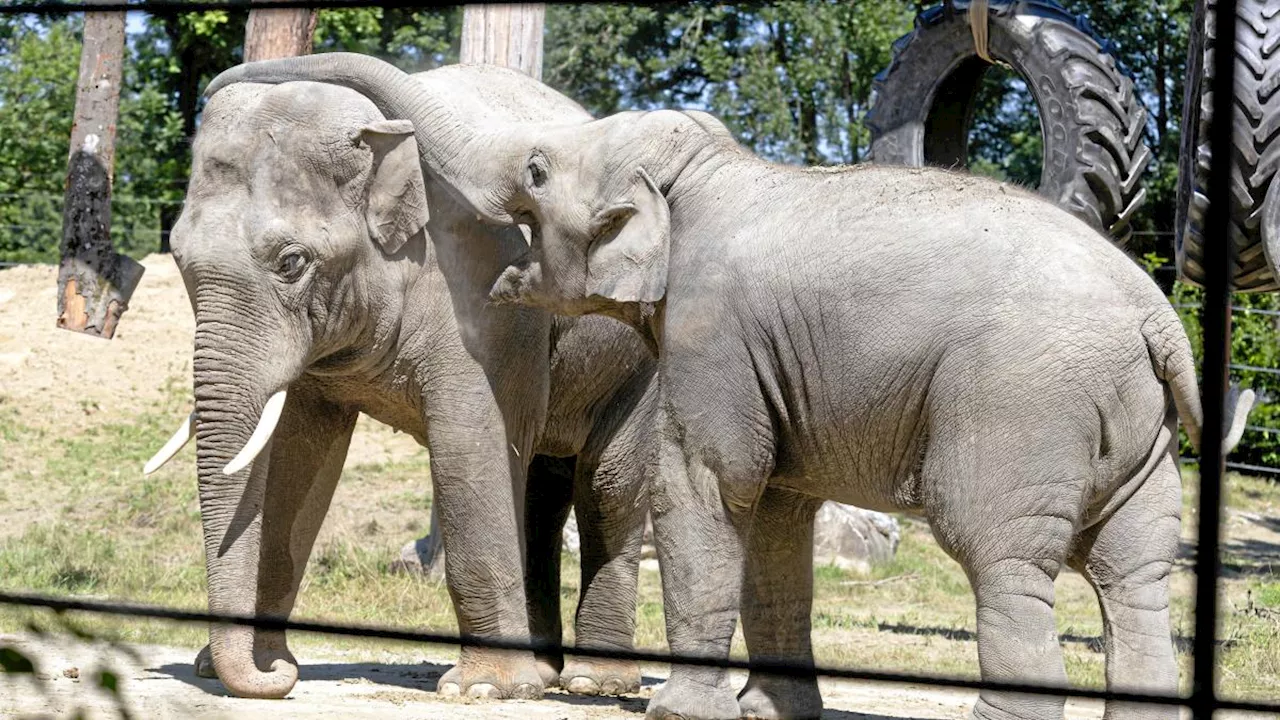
[(30, 219)]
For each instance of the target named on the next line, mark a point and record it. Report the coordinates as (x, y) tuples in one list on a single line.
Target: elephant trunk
[(447, 144), (233, 380)]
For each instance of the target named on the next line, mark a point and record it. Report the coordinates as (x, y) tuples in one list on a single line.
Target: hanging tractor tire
[(1255, 133), (1091, 120)]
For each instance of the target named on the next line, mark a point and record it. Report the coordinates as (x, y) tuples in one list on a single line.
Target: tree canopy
[(791, 78)]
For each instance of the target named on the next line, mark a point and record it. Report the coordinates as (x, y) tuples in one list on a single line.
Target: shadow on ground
[(1092, 642), (426, 676), (1240, 558)]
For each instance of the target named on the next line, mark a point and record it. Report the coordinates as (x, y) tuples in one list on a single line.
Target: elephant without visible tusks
[(330, 276), (892, 338)]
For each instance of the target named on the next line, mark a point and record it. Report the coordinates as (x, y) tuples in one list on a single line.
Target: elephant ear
[(397, 202), (628, 262)]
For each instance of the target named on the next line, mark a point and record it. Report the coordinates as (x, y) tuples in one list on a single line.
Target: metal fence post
[(1216, 319)]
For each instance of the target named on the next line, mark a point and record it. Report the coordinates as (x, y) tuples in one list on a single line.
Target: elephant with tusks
[(332, 273)]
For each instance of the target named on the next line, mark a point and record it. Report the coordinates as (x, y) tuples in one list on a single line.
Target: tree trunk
[(511, 36), (508, 35), (94, 282), (271, 34), (1162, 93)]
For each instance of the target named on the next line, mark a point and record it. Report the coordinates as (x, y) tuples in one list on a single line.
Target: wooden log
[(94, 282), (271, 34), (508, 35)]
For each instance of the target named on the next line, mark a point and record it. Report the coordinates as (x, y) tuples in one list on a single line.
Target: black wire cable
[(176, 7), (61, 605)]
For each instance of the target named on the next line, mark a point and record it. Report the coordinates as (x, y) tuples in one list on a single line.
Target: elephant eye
[(537, 174), (291, 266)]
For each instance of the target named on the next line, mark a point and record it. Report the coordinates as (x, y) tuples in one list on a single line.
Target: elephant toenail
[(525, 691), (449, 690), (583, 686), (484, 690)]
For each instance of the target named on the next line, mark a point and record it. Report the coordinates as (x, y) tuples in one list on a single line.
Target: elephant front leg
[(472, 471), (547, 501), (306, 457), (777, 599), (700, 515)]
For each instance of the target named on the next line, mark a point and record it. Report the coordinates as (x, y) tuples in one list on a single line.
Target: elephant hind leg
[(1127, 558), (777, 600), (1002, 491)]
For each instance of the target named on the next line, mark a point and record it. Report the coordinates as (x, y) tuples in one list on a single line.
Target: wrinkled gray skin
[(897, 339), (318, 258)]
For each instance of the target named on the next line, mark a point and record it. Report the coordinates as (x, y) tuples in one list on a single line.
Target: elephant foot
[(549, 668), (1016, 708), (495, 674), (265, 656), (593, 676), (774, 697), (684, 699), (204, 664)]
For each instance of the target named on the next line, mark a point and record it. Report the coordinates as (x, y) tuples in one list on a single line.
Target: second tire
[(1090, 119)]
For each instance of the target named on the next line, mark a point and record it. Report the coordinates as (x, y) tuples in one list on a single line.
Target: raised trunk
[(230, 393)]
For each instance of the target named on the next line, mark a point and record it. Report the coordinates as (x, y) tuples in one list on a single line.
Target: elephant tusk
[(261, 434), (180, 438)]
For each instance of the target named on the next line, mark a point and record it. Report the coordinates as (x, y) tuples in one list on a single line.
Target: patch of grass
[(830, 573), (9, 425), (59, 558), (1267, 595)]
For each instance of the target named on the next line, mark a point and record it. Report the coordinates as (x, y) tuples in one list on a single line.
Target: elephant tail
[(1174, 364)]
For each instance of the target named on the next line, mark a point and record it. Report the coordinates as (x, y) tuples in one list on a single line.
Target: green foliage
[(413, 40), (791, 79), (37, 86), (1005, 141)]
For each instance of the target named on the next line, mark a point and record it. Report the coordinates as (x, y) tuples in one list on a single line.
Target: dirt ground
[(49, 379), (158, 683)]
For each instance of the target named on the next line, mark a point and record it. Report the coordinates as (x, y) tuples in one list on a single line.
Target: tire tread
[(1103, 183)]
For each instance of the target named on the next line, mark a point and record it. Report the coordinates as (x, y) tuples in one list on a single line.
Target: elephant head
[(593, 192), (304, 220)]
